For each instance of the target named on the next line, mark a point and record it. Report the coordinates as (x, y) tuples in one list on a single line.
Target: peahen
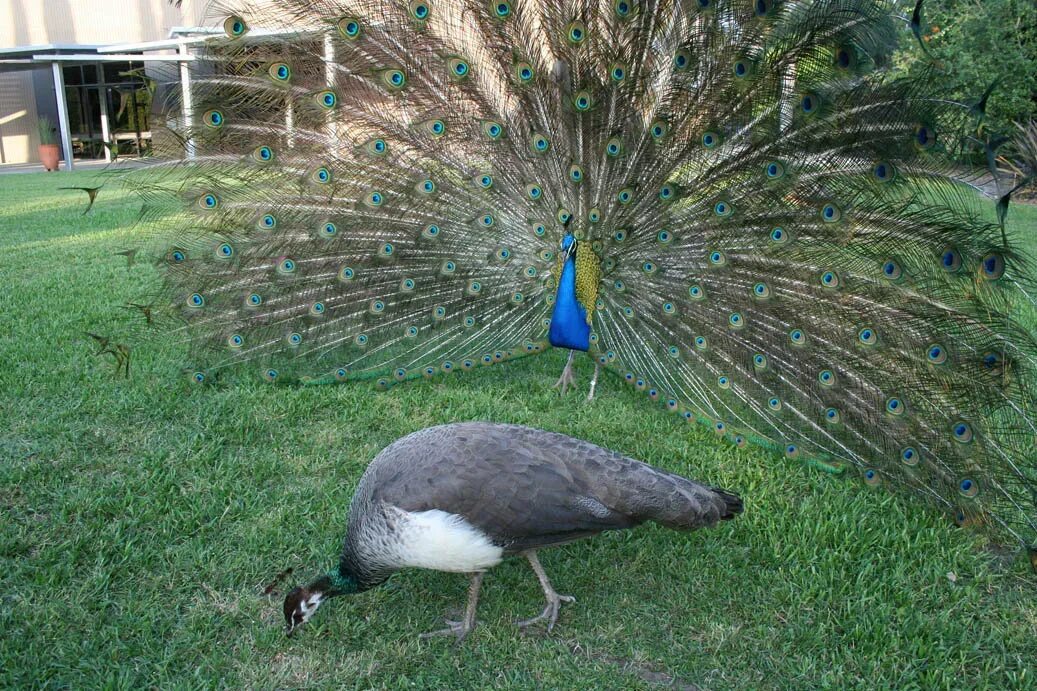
[(728, 203), (462, 497)]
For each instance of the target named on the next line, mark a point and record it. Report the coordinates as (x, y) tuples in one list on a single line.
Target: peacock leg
[(594, 381), (568, 378), (462, 628), (554, 600)]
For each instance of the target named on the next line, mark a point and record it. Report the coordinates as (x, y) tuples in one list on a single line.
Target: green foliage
[(141, 519), (46, 130), (975, 43)]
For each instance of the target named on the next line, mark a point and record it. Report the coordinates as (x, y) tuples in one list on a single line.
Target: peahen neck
[(569, 327)]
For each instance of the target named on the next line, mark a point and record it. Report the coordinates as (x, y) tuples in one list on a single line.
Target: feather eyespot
[(280, 72), (327, 99), (437, 128), (458, 68), (583, 101), (884, 171), (936, 354), (493, 130), (500, 9), (910, 456), (830, 279), (419, 9), (524, 72), (235, 27), (395, 79), (950, 260), (263, 154), (348, 28), (992, 266), (868, 336), (213, 119), (891, 270), (830, 213), (624, 9), (576, 33), (924, 137)]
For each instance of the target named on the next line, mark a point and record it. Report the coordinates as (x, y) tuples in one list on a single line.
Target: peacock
[(463, 496), (732, 205)]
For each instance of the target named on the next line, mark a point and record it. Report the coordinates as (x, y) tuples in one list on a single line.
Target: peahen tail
[(761, 229)]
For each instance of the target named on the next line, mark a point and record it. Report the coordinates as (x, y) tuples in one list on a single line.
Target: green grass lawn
[(142, 518)]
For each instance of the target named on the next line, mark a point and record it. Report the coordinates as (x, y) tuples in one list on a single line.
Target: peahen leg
[(462, 628), (554, 600), (568, 378)]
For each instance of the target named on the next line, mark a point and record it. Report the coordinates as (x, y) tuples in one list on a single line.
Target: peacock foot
[(568, 378), (458, 629), (550, 613)]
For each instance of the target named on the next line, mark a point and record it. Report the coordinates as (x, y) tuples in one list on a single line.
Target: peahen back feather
[(771, 237)]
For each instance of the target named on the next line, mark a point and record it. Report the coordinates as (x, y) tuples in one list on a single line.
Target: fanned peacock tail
[(769, 235)]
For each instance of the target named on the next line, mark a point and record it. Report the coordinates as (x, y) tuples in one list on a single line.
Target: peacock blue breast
[(569, 327)]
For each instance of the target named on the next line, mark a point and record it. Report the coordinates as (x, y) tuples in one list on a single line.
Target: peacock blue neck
[(569, 327)]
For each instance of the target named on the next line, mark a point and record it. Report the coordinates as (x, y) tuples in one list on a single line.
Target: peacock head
[(302, 602)]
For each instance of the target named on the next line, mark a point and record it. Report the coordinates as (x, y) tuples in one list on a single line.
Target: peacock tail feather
[(771, 237)]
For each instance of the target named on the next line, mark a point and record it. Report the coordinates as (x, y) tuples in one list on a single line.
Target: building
[(89, 67)]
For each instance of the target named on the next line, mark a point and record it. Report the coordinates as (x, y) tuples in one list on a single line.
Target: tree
[(974, 44)]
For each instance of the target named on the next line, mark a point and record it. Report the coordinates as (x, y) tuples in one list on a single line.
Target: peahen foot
[(554, 600), (461, 629), (568, 378), (458, 629)]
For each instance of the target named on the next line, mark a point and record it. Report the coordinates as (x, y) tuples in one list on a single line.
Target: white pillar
[(289, 120), (106, 130), (329, 78), (63, 125), (186, 100)]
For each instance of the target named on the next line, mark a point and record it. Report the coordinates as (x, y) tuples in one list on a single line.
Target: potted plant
[(49, 150)]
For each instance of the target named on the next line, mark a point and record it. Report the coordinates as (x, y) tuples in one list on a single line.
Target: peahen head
[(302, 602)]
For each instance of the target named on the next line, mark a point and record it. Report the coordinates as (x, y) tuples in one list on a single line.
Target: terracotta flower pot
[(49, 155)]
